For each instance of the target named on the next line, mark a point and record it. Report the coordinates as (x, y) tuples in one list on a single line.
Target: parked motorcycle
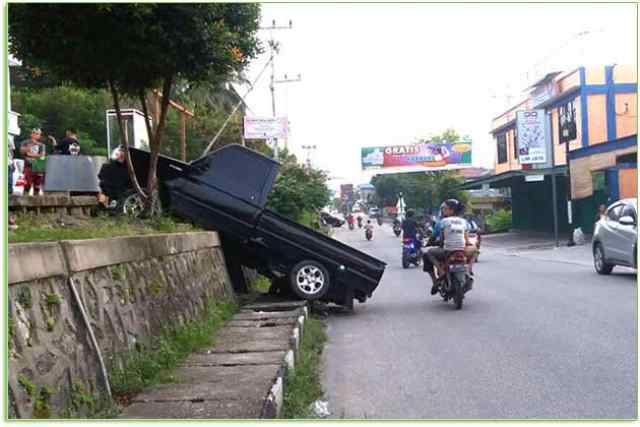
[(397, 230), (368, 234), (456, 281), (411, 252)]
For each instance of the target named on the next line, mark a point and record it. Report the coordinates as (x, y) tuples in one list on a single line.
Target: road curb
[(274, 401)]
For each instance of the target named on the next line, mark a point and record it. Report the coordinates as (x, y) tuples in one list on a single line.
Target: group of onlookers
[(33, 152)]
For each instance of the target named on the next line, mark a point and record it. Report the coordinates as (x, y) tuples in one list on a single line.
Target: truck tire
[(309, 280)]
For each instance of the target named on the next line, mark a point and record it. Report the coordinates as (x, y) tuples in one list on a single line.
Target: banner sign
[(532, 134), (266, 127), (427, 155)]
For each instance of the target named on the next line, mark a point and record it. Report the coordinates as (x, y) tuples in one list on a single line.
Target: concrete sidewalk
[(524, 240), (241, 376)]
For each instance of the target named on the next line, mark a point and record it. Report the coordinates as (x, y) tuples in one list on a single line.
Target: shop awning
[(505, 179)]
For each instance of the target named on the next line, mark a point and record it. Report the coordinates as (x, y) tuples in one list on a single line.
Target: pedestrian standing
[(69, 146), (34, 153), (10, 150)]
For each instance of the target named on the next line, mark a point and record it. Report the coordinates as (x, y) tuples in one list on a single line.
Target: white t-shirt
[(454, 228)]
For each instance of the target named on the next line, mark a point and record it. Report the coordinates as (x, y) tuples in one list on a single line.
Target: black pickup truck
[(227, 191)]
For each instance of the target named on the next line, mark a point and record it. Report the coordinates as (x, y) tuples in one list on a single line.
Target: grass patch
[(261, 284), (144, 367), (304, 387), (48, 227)]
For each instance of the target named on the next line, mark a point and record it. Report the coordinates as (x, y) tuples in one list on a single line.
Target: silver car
[(615, 239)]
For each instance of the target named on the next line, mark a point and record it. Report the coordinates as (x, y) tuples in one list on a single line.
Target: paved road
[(538, 337)]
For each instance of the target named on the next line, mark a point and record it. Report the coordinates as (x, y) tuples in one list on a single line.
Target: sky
[(387, 74)]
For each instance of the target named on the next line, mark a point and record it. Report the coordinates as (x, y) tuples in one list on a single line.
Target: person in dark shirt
[(69, 144), (410, 226)]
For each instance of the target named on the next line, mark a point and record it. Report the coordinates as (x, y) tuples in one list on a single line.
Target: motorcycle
[(411, 252), (351, 226), (359, 222), (397, 230), (368, 234), (379, 219), (456, 281)]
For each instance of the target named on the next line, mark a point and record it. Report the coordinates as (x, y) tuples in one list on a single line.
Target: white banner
[(532, 136), (266, 127)]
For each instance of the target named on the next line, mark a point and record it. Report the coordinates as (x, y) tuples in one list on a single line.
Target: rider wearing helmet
[(410, 226), (452, 233)]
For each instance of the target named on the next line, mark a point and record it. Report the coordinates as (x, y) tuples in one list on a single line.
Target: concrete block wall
[(131, 288)]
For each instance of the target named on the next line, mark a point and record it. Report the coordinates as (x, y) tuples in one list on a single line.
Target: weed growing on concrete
[(28, 386), (48, 227), (41, 407), (261, 284), (153, 364), (53, 300), (304, 387), (24, 297)]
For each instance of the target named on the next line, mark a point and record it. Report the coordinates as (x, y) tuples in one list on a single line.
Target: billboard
[(421, 156), (532, 136), (346, 191), (265, 127)]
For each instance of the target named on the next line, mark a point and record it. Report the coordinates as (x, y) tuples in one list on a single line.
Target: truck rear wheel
[(309, 280)]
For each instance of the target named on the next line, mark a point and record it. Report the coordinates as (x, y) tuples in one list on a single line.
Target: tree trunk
[(156, 142), (125, 141)]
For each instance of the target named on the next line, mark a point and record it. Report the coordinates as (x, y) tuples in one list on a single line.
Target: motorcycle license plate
[(455, 268)]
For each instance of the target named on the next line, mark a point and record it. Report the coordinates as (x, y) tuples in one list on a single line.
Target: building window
[(502, 147), (515, 143), (567, 122)]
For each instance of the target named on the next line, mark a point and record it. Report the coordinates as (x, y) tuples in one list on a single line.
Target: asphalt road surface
[(535, 339)]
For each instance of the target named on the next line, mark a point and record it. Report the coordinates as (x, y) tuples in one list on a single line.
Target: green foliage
[(261, 284), (421, 189), (298, 189), (53, 299), (57, 108), (499, 221), (143, 366), (24, 297), (47, 228), (41, 407), (154, 41), (28, 386), (304, 387)]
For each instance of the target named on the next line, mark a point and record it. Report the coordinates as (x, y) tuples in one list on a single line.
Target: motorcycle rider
[(410, 228), (359, 221), (368, 228), (453, 233), (350, 220)]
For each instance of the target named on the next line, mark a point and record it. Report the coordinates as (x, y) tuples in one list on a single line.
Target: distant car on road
[(331, 220), (615, 239)]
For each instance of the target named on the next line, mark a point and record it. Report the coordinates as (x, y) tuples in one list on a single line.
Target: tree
[(298, 189), (419, 188), (131, 49)]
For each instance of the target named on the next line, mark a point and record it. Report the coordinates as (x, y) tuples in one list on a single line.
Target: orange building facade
[(592, 113)]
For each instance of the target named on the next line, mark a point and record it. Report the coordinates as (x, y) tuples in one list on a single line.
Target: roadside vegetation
[(43, 227), (500, 221), (154, 364), (304, 387)]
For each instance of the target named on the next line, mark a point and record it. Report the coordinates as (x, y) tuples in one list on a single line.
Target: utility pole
[(309, 148), (274, 47)]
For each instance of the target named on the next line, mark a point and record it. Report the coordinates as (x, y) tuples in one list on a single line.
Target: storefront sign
[(265, 127), (534, 178), (532, 136), (427, 155)]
